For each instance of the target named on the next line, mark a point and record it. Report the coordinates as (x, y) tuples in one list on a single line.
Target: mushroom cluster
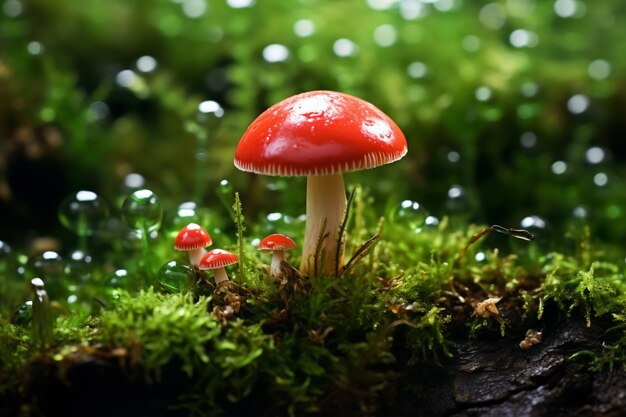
[(193, 239), (320, 135)]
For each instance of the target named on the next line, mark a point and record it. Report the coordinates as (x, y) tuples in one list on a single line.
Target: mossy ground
[(322, 345)]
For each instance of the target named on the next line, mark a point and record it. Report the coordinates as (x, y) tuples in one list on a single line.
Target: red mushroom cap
[(217, 258), (192, 237), (319, 133), (276, 241)]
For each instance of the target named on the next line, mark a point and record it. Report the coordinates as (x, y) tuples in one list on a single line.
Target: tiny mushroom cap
[(275, 242), (320, 135), (278, 244), (193, 239), (217, 260)]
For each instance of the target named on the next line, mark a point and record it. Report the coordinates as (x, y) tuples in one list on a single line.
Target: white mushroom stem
[(196, 255), (220, 275), (277, 257), (325, 200)]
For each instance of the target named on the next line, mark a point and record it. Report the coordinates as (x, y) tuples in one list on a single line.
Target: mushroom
[(320, 135), (278, 244), (217, 260), (193, 239)]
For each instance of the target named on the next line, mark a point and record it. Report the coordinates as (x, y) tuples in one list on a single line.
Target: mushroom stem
[(196, 255), (220, 275), (325, 200), (277, 257)]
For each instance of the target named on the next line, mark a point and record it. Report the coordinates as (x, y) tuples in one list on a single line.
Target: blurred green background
[(512, 108)]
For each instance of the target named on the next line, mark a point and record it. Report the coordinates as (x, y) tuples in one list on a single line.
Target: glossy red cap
[(217, 258), (276, 241), (319, 133), (192, 237)]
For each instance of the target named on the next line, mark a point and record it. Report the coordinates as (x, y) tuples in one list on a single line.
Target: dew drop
[(83, 213), (142, 211)]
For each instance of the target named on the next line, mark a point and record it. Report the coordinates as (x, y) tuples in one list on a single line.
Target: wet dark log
[(492, 376)]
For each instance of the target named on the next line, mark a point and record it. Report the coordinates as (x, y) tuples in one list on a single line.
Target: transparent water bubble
[(580, 212), (481, 257), (417, 69), (282, 223), (210, 110), (345, 48), (143, 211), (12, 8), (134, 181), (48, 264), (578, 103), (184, 214), (412, 214), (595, 155), (117, 281), (528, 140), (412, 9), (23, 315), (225, 191), (599, 69), (483, 93), (431, 222), (385, 35), (304, 28), (146, 63), (471, 43), (600, 179), (559, 168), (492, 16), (275, 53), (240, 4), (79, 265), (175, 277), (35, 48), (458, 200), (83, 212)]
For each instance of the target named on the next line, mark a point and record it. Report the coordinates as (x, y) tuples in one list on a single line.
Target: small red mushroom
[(278, 244), (193, 239), (320, 135), (217, 260)]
